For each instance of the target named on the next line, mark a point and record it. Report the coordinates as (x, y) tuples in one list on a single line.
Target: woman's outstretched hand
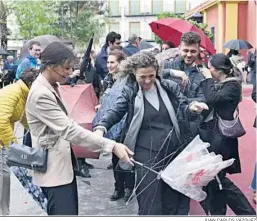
[(198, 107), (123, 153)]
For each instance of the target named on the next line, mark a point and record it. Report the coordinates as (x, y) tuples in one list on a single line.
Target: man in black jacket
[(186, 73), (185, 67)]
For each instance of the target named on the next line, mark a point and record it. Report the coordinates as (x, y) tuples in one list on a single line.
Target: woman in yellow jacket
[(12, 105)]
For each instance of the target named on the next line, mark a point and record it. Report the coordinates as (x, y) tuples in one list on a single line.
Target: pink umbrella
[(171, 29), (80, 101)]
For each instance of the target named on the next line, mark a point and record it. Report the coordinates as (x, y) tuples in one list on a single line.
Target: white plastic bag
[(193, 169)]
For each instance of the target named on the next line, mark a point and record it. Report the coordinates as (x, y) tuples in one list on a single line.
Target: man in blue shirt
[(32, 59), (133, 45)]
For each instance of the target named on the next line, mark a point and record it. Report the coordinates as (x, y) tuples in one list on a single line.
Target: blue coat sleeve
[(22, 66)]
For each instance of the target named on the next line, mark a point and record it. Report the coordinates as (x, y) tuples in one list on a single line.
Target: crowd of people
[(148, 109)]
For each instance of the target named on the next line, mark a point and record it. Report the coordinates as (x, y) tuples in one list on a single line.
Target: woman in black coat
[(156, 112), (222, 98)]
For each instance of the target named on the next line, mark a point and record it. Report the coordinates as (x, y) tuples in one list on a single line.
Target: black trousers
[(217, 200), (157, 197), (123, 179), (62, 200), (154, 196)]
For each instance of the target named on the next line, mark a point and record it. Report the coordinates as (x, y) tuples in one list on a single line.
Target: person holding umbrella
[(185, 70), (51, 128), (154, 128)]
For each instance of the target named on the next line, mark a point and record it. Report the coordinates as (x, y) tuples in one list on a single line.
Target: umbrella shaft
[(144, 166)]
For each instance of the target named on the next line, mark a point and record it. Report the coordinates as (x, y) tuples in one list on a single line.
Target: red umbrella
[(80, 101), (171, 29)]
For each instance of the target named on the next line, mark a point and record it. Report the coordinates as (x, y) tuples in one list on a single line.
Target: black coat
[(224, 101), (125, 104)]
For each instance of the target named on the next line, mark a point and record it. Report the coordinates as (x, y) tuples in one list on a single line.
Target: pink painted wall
[(251, 22), (212, 21), (242, 21), (224, 25)]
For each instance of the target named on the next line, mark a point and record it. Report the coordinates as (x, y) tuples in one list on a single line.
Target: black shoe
[(90, 166), (128, 193), (118, 194), (83, 173), (110, 166)]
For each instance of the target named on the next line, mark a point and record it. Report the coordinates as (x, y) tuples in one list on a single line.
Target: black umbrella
[(44, 40), (3, 52), (237, 44), (86, 59), (86, 62)]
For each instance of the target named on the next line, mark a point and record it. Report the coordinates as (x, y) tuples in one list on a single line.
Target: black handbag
[(28, 157), (231, 128), (32, 158)]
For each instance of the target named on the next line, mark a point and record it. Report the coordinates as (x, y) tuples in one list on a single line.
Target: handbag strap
[(19, 123)]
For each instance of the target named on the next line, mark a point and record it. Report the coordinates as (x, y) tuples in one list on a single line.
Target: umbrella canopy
[(80, 101), (171, 29), (145, 45), (3, 52), (237, 44), (195, 168), (44, 40), (86, 58)]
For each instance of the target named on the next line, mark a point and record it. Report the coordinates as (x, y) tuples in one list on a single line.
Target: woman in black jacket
[(156, 113), (222, 98)]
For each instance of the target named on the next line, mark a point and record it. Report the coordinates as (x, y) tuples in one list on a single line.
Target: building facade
[(228, 20), (14, 39), (133, 16)]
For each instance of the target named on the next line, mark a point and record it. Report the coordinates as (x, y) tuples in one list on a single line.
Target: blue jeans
[(253, 184)]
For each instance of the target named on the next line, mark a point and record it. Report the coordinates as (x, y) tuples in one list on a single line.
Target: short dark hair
[(111, 37), (116, 47), (31, 43), (190, 38), (56, 53), (29, 75)]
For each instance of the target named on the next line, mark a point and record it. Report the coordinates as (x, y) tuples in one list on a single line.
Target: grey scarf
[(135, 125)]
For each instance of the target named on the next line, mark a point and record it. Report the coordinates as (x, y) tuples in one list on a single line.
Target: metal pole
[(144, 166)]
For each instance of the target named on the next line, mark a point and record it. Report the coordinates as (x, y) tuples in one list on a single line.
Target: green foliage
[(81, 19), (35, 17), (72, 20), (201, 26)]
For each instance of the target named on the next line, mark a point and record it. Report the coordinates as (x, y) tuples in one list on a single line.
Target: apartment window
[(134, 7), (114, 27), (114, 7), (134, 28), (180, 6), (157, 6)]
